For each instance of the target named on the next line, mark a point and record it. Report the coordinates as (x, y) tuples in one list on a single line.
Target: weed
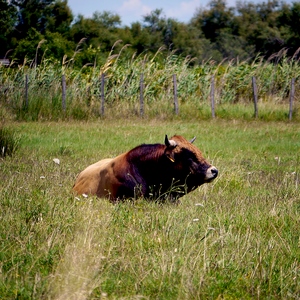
[(9, 142)]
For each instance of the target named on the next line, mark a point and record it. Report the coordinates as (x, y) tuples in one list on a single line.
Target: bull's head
[(188, 160)]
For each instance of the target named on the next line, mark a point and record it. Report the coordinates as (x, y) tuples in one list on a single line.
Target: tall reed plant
[(122, 84)]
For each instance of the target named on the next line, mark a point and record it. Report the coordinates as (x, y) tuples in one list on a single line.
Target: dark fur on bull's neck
[(146, 152), (153, 175)]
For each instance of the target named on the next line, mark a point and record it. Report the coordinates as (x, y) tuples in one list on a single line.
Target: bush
[(9, 142)]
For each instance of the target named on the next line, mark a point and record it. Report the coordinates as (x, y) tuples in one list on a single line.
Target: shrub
[(9, 142)]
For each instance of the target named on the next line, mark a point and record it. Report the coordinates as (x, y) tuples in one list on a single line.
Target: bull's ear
[(169, 150), (192, 140)]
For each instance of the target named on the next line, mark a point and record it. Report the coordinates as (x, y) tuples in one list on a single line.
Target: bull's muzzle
[(211, 173)]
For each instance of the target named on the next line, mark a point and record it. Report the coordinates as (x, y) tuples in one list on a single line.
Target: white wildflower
[(56, 160)]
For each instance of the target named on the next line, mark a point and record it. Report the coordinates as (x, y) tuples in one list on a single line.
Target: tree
[(56, 45), (27, 47), (168, 32), (257, 24), (289, 24), (155, 24), (31, 14), (218, 26), (100, 32), (140, 38), (216, 32), (8, 17), (59, 18), (35, 21), (215, 20), (186, 40), (100, 29)]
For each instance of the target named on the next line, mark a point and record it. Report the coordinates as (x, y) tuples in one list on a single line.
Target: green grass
[(9, 142), (236, 238)]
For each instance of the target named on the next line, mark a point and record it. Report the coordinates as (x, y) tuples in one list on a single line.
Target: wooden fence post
[(254, 87), (292, 93), (175, 95), (26, 90), (102, 94), (212, 96), (63, 92), (142, 95)]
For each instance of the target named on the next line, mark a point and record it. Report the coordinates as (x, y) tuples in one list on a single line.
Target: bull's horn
[(192, 140), (169, 143)]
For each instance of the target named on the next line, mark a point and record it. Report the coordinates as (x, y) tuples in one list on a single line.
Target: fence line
[(176, 105)]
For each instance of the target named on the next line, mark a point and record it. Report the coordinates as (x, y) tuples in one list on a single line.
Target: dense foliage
[(46, 28)]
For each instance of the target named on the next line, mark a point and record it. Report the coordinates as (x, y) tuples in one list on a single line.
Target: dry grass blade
[(79, 44), (296, 53), (113, 47)]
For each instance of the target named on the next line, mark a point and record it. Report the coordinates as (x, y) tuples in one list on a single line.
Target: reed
[(122, 75)]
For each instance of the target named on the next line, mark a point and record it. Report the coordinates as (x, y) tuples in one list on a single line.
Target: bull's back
[(92, 180)]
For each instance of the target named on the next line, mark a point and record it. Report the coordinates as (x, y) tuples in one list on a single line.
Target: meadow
[(236, 238)]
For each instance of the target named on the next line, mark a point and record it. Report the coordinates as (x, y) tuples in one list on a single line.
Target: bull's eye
[(193, 166)]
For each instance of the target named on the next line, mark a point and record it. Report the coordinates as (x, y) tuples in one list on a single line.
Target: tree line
[(32, 30)]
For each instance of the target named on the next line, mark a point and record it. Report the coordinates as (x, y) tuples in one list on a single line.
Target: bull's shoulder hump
[(101, 163), (98, 166)]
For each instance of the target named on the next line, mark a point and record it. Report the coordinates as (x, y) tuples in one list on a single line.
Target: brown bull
[(152, 171)]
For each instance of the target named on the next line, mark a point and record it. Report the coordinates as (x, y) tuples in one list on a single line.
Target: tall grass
[(122, 79), (9, 142), (236, 238)]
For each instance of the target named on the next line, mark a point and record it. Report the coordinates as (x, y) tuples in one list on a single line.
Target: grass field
[(236, 238)]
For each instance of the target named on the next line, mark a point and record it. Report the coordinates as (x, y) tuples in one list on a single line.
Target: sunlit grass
[(234, 238)]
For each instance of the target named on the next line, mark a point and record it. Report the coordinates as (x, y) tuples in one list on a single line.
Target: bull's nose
[(214, 171), (211, 173)]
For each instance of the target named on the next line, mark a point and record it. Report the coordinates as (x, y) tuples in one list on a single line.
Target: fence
[(176, 105)]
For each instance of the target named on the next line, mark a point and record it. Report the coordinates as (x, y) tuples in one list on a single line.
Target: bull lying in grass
[(153, 171)]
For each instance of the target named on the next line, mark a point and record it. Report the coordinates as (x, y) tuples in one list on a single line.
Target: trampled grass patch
[(237, 237)]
